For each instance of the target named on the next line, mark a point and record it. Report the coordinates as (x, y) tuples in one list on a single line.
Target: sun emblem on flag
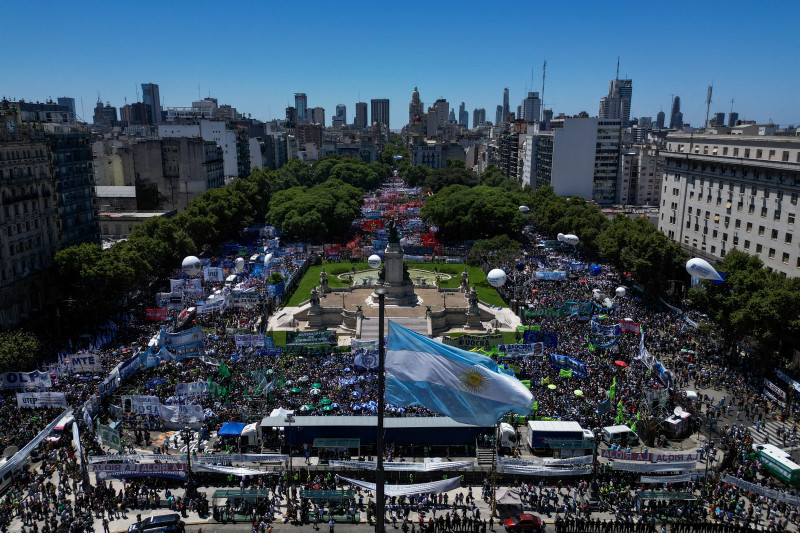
[(473, 380)]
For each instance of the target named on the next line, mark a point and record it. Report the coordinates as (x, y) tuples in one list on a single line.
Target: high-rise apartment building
[(719, 119), (291, 117), (317, 116), (341, 112), (506, 109), (722, 192), (301, 104), (478, 116), (135, 114), (676, 117), (733, 117), (152, 98), (660, 120), (617, 105), (70, 105), (415, 108), (579, 156), (463, 115), (360, 120), (499, 117), (531, 107), (105, 116), (380, 111), (640, 176)]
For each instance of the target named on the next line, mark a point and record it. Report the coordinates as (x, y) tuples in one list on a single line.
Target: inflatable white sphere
[(700, 268), (191, 266), (496, 277), (374, 261), (560, 237), (239, 265), (267, 259), (524, 208), (620, 292)]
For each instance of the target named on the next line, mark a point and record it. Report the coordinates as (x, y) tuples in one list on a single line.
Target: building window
[(758, 248), (761, 231), (787, 238), (772, 253), (714, 234), (774, 234), (738, 223), (763, 212), (749, 227), (759, 153), (785, 155), (777, 215), (747, 245), (785, 258), (791, 218), (724, 150), (747, 153)]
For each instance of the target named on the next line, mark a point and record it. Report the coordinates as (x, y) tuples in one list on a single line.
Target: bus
[(779, 463)]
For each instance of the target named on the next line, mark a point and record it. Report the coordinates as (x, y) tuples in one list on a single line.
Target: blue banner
[(530, 337), (578, 308), (520, 349), (600, 330), (189, 342), (264, 352), (550, 339), (155, 382), (558, 362), (551, 276)]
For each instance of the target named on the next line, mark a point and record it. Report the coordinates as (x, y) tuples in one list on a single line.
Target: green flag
[(620, 404), (618, 420), (535, 406), (109, 436), (223, 370), (638, 416), (633, 427), (566, 373)]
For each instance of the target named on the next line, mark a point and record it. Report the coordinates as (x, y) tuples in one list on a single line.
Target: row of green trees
[(308, 203)]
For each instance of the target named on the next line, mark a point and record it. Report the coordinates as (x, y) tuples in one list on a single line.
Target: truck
[(563, 439), (507, 438), (620, 435)]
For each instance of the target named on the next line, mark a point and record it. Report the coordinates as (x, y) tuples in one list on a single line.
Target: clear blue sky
[(255, 55)]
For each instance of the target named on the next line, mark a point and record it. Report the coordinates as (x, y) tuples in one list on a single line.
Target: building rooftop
[(116, 191)]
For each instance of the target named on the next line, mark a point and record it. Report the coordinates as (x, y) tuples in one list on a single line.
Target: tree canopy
[(18, 351)]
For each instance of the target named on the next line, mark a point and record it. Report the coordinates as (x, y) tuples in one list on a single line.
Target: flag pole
[(379, 488)]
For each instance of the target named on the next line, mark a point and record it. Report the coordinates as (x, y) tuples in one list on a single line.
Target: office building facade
[(360, 120), (152, 98), (725, 192), (380, 111), (617, 105), (301, 104)]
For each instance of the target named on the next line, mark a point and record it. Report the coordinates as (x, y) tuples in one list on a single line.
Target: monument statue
[(314, 297), (464, 281), (392, 235), (393, 275), (323, 281), (472, 296)]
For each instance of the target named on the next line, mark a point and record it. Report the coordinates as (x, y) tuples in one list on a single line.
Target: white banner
[(188, 286), (533, 470), (653, 467), (404, 467), (109, 384), (213, 274), (182, 413), (256, 340), (106, 470), (191, 390), (232, 470), (144, 405), (210, 306), (406, 490), (760, 489), (85, 363), (580, 460), (226, 458), (38, 400), (25, 380), (681, 478)]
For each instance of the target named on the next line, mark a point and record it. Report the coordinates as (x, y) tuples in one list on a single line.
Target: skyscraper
[(531, 107), (660, 120), (341, 112), (360, 121), (617, 105), (380, 110), (673, 116), (506, 110), (733, 117), (70, 103), (452, 117), (498, 116), (415, 108), (463, 115), (719, 119), (317, 116), (301, 104), (478, 116), (152, 98)]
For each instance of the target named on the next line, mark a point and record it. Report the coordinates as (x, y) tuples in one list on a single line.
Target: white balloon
[(374, 261), (267, 260), (191, 265), (621, 292), (700, 268), (434, 229), (570, 239), (496, 277), (239, 265), (560, 237), (524, 208)]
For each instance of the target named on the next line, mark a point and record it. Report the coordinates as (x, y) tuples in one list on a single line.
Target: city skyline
[(258, 74)]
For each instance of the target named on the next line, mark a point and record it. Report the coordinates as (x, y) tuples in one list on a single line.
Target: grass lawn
[(486, 292)]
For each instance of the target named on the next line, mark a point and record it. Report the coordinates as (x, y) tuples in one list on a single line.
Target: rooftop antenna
[(708, 102), (544, 73), (617, 68), (731, 104), (136, 88)]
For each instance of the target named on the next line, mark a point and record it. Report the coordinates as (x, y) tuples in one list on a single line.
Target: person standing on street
[(331, 524)]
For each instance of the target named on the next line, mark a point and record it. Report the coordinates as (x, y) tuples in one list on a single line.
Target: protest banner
[(156, 314), (247, 340), (85, 363), (25, 380), (310, 338), (39, 400), (128, 470), (190, 390)]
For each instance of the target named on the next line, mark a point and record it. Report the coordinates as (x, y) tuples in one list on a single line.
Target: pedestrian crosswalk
[(773, 432)]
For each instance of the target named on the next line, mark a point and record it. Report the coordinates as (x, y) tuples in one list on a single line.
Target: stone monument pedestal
[(394, 278)]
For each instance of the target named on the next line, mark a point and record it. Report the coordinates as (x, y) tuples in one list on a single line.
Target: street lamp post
[(379, 488), (705, 476), (187, 438)]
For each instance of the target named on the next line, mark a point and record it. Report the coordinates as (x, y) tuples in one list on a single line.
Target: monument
[(394, 275)]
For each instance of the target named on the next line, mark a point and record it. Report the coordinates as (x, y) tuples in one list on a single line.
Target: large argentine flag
[(463, 385)]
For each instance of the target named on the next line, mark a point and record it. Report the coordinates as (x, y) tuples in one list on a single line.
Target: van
[(167, 523), (63, 427), (620, 435), (230, 281), (508, 437)]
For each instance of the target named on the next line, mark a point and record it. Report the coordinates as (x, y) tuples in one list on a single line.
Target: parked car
[(523, 522), (165, 523)]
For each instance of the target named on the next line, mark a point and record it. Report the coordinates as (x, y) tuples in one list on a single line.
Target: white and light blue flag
[(466, 386)]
